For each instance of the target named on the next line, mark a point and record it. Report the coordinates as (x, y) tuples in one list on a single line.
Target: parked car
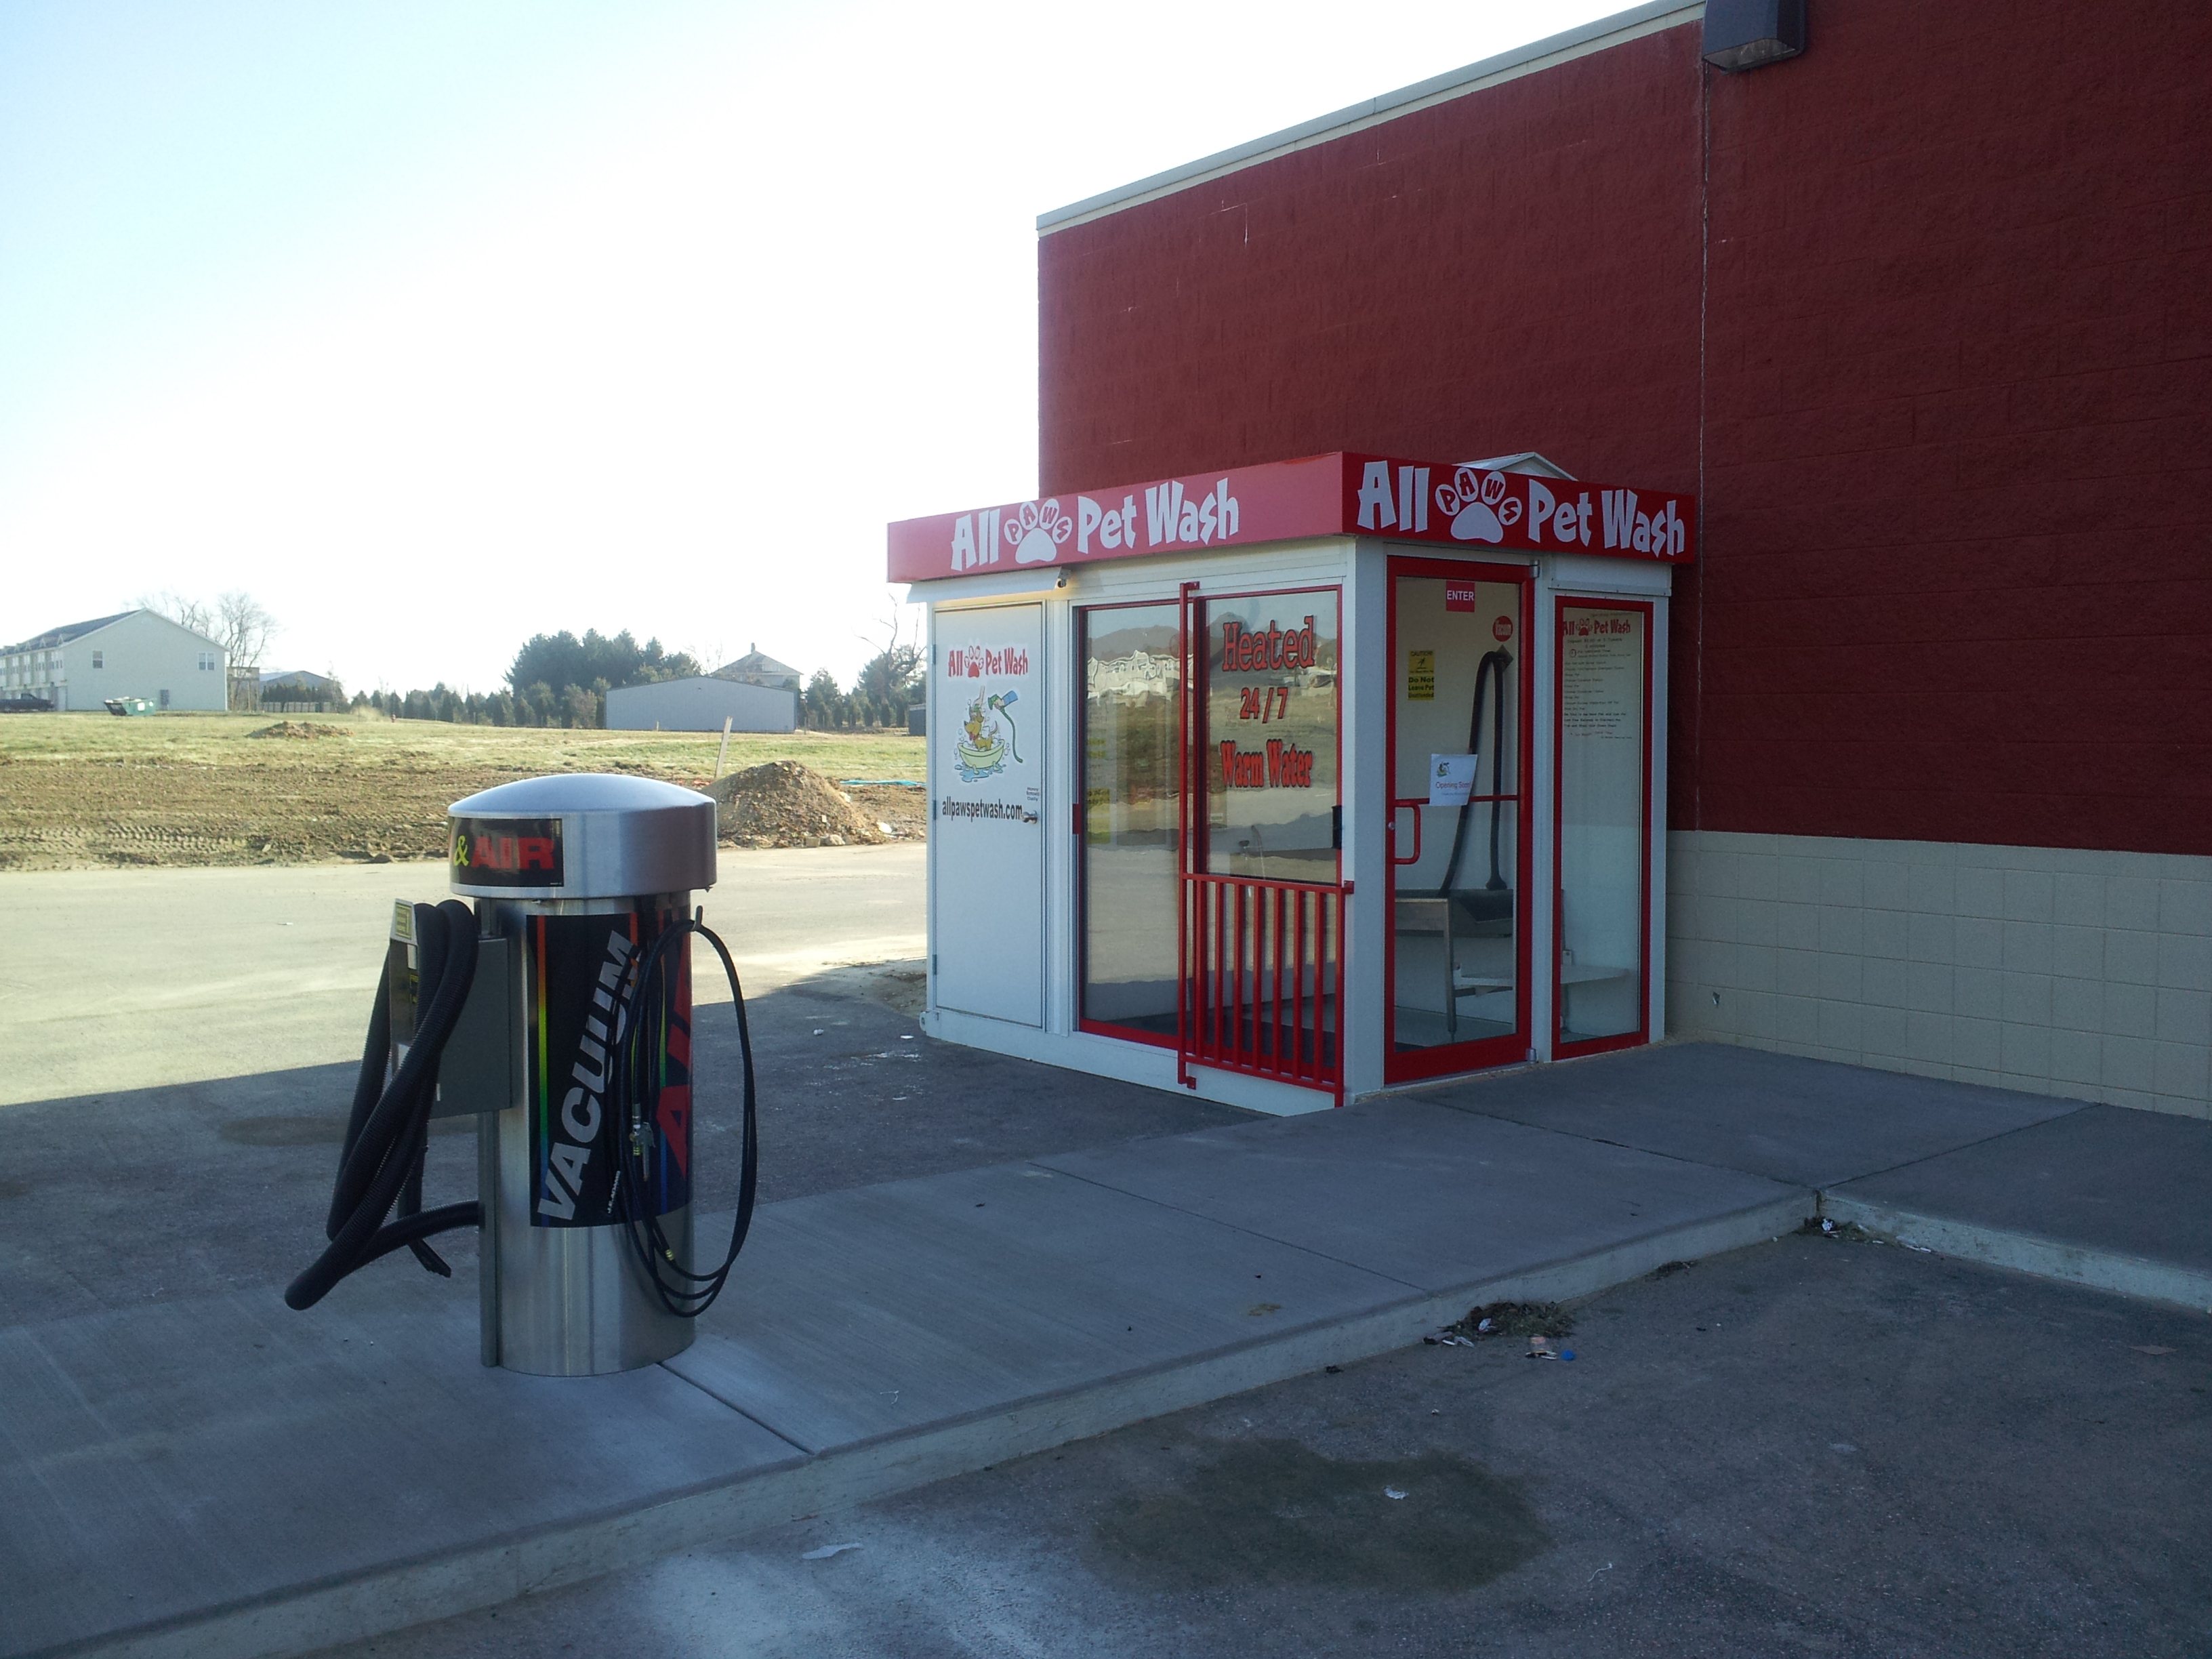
[(24, 705)]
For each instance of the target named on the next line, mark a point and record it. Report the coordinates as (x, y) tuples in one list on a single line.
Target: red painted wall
[(1957, 575), (1514, 270), (1959, 463)]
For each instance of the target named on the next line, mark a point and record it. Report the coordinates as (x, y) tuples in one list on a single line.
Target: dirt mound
[(300, 729), (788, 804)]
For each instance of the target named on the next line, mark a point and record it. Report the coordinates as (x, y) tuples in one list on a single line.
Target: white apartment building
[(133, 653)]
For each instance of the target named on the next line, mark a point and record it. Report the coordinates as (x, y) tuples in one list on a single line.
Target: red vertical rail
[(1254, 946), (1186, 697), (1280, 935)]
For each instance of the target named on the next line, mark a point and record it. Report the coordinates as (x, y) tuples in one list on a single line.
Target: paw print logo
[(1036, 532), (1479, 511)]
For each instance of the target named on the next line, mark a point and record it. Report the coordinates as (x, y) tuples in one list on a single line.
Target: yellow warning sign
[(1420, 676)]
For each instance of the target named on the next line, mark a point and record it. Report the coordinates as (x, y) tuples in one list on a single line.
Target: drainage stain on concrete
[(1271, 1511)]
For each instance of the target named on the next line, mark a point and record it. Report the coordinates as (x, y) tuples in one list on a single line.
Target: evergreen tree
[(564, 660)]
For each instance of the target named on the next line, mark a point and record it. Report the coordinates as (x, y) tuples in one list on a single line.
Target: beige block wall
[(2081, 974)]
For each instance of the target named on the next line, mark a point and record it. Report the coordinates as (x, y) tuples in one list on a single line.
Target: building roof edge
[(70, 633), (1606, 32)]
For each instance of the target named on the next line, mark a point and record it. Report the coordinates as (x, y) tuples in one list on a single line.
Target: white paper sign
[(1451, 779)]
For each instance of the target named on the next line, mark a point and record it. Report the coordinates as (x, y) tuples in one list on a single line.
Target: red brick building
[(1922, 318)]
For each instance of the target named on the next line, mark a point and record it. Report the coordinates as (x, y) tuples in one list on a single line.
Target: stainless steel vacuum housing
[(611, 835), (572, 874)]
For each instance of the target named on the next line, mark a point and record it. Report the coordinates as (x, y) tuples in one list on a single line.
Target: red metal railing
[(1263, 979)]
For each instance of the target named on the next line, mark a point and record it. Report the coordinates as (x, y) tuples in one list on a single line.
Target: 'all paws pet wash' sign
[(1472, 507)]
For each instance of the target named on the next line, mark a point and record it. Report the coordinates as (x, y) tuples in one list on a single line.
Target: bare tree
[(185, 613), (893, 676), (243, 628), (237, 621)]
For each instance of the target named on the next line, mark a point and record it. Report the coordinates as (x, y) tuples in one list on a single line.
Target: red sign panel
[(1474, 508)]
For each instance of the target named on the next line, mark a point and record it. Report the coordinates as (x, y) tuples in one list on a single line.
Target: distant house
[(297, 691), (132, 653), (756, 667), (701, 703)]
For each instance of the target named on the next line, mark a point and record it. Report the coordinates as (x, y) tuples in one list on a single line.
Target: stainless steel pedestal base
[(566, 1301)]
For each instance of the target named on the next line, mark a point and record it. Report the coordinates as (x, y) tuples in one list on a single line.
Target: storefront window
[(1131, 760), (1270, 735), (1603, 768)]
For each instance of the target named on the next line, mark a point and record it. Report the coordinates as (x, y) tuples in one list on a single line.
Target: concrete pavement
[(2100, 1195), (168, 1479), (1811, 1446), (116, 979), (217, 1474), (2104, 1196), (120, 1200)]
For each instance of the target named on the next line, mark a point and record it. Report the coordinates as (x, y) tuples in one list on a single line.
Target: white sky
[(436, 324)]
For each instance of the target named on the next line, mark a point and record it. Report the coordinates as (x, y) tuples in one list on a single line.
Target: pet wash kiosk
[(1299, 782)]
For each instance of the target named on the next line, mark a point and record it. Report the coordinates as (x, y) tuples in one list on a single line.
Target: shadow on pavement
[(113, 1200)]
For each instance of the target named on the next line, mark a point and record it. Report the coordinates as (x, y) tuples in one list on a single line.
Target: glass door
[(1603, 816), (1131, 818), (1212, 914), (1457, 977)]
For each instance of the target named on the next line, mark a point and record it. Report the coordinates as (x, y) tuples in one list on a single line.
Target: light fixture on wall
[(1747, 34)]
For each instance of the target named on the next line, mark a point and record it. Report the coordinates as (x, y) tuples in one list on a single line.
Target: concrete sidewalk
[(2099, 1195), (216, 1474)]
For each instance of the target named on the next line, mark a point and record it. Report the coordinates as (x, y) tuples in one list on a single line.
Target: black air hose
[(680, 1290), (389, 1129)]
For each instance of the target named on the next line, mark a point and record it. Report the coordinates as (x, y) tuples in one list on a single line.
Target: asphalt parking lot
[(1811, 1446), (118, 980)]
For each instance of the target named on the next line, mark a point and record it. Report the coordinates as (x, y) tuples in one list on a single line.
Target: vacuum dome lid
[(581, 835)]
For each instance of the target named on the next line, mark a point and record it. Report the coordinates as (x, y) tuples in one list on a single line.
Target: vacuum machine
[(556, 1010)]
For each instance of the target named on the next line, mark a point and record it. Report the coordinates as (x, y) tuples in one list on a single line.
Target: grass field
[(90, 790)]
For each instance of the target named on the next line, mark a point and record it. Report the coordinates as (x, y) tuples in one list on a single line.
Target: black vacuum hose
[(388, 1130), (1505, 661), (680, 1290), (1491, 672)]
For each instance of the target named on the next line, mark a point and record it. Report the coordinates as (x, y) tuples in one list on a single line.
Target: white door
[(986, 835)]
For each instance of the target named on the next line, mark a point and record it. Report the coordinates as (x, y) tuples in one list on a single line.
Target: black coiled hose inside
[(1491, 672), (389, 1130)]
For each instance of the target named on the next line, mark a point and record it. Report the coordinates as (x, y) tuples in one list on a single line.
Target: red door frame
[(1516, 1046), (1562, 1050)]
